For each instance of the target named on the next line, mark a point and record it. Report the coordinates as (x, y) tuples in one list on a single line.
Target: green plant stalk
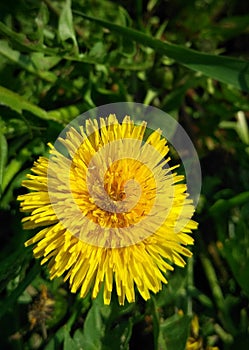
[(244, 320), (221, 205), (202, 298), (190, 284), (242, 127), (225, 337), (240, 199), (213, 281), (223, 313), (14, 167), (156, 322), (3, 159)]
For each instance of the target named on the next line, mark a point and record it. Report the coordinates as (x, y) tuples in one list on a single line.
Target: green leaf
[(174, 332), (98, 51), (17, 163), (118, 334), (240, 271), (9, 193), (230, 27), (11, 261), (29, 63), (66, 28), (19, 104), (7, 303), (41, 21), (240, 126), (21, 41), (69, 343), (93, 329), (64, 331), (66, 114), (105, 327), (56, 340), (14, 128), (128, 47), (174, 98), (95, 325), (235, 250), (225, 69), (156, 321), (78, 338), (3, 158)]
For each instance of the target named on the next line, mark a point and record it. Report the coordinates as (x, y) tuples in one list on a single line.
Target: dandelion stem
[(190, 283), (213, 281), (226, 337)]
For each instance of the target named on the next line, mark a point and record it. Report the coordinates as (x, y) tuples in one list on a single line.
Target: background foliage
[(189, 59)]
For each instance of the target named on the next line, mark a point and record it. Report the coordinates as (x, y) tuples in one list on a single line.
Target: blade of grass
[(225, 69)]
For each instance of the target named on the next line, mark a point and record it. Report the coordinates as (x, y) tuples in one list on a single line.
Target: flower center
[(114, 185), (120, 198)]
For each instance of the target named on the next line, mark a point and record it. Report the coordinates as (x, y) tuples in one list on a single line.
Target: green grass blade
[(224, 69)]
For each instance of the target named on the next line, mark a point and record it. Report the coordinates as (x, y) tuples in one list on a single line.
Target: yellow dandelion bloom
[(113, 210)]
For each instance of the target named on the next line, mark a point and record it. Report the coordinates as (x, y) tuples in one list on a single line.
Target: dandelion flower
[(113, 210)]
